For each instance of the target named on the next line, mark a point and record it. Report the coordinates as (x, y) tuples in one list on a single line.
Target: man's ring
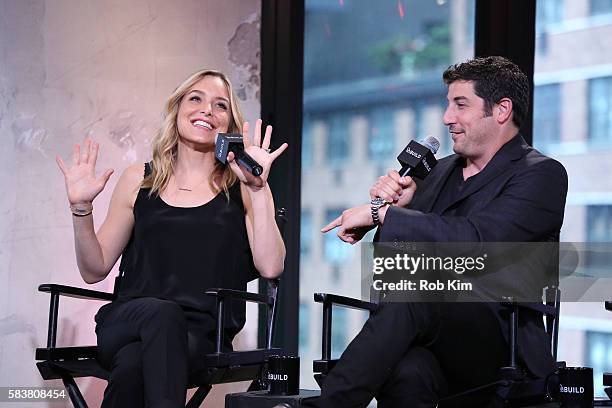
[(267, 150)]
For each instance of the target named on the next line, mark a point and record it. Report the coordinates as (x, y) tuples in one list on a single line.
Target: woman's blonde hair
[(165, 142)]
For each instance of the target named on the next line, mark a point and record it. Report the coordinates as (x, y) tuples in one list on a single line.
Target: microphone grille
[(432, 144)]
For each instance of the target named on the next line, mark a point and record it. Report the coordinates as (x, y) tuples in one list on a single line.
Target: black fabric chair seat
[(56, 370), (213, 375), (56, 362), (232, 366), (235, 358), (223, 368), (66, 353)]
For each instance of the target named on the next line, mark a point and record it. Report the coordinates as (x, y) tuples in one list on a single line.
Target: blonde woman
[(184, 222)]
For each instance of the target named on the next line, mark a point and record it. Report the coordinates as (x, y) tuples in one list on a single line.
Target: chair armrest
[(224, 294), (328, 300), (74, 292), (62, 290), (238, 294), (536, 307), (344, 301)]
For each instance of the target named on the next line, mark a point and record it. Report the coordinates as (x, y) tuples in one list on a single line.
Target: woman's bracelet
[(81, 209)]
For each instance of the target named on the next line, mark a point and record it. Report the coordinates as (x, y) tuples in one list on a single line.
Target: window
[(367, 65), (335, 251), (446, 143), (338, 139), (339, 339), (307, 144), (599, 356), (305, 233), (601, 7), (548, 12), (304, 324), (572, 104), (547, 114), (599, 223), (419, 122), (381, 135), (600, 101), (470, 27), (599, 229)]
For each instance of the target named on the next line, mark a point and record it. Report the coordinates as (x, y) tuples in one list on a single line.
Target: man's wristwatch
[(375, 204)]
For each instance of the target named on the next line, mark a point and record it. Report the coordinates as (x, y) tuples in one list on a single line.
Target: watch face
[(377, 201)]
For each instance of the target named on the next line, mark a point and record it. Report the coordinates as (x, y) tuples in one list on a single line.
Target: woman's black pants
[(150, 346)]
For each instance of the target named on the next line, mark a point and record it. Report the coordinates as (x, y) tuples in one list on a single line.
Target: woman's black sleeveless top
[(178, 253)]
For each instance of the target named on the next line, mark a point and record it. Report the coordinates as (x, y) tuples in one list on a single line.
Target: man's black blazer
[(518, 197)]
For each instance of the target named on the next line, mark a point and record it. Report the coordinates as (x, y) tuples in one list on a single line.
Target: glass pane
[(339, 332), (600, 109), (547, 113), (573, 124), (380, 140), (304, 327), (548, 12), (335, 251), (372, 82), (307, 144), (306, 233), (601, 6), (339, 148), (598, 355)]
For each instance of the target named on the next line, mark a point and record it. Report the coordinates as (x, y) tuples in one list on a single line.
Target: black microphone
[(418, 159), (233, 142)]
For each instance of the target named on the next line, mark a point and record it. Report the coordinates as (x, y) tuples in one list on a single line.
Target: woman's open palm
[(82, 186)]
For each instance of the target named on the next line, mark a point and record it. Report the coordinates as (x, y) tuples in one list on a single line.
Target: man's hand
[(353, 224), (394, 189)]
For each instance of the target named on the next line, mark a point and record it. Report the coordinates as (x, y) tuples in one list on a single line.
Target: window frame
[(502, 27)]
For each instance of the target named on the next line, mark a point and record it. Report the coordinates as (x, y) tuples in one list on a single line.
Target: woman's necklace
[(189, 189)]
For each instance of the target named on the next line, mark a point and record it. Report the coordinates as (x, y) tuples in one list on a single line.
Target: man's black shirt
[(452, 188)]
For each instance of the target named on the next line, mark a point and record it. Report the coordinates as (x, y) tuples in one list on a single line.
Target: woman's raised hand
[(259, 150), (82, 185)]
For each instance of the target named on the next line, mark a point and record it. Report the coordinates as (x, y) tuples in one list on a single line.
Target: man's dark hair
[(494, 78)]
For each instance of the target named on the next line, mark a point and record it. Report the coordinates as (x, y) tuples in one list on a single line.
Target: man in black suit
[(495, 188)]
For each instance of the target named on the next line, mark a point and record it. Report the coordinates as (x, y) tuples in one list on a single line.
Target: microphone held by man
[(418, 159), (395, 188)]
